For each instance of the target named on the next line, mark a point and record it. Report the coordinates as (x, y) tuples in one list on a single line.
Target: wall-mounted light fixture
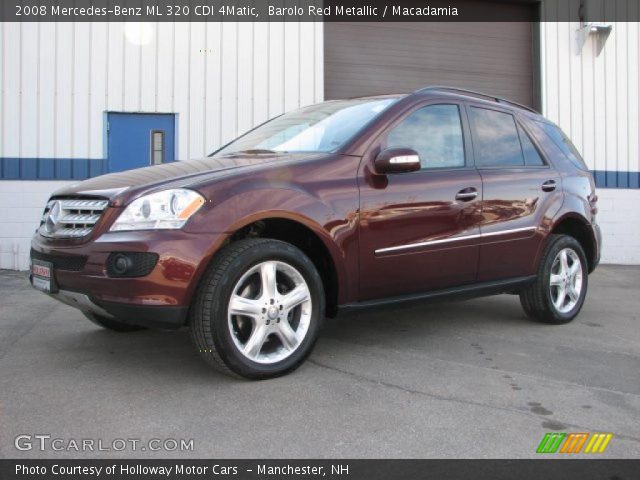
[(599, 30), (591, 10)]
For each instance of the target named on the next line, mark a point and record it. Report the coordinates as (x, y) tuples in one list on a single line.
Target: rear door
[(419, 230), (521, 193)]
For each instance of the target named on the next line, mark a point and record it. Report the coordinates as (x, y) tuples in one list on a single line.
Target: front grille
[(71, 218), (73, 263)]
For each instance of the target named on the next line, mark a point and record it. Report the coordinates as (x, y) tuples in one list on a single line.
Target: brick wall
[(21, 205), (619, 219)]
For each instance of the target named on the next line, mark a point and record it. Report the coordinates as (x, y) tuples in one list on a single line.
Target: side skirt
[(461, 292)]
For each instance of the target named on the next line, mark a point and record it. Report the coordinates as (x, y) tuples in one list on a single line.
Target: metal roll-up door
[(375, 58)]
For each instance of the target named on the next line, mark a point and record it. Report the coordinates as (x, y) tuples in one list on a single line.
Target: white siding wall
[(58, 79), (595, 101)]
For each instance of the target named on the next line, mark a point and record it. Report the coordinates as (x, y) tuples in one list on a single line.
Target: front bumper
[(161, 298), (154, 316)]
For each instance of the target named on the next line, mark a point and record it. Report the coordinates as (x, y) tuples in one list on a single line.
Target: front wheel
[(258, 310), (560, 288)]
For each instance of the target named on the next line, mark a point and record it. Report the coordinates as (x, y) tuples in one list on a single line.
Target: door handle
[(549, 186), (467, 194)]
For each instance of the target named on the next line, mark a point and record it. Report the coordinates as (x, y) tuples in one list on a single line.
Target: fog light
[(131, 264), (121, 264)]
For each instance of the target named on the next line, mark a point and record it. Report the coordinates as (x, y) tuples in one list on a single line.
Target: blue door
[(139, 139)]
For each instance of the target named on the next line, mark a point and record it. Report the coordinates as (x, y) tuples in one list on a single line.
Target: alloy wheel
[(269, 312), (565, 282)]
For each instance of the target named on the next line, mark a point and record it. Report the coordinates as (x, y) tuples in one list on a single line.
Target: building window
[(157, 147)]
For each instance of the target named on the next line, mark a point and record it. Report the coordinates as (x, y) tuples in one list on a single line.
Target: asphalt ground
[(472, 379)]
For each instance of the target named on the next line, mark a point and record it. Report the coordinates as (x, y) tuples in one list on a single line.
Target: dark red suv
[(341, 205)]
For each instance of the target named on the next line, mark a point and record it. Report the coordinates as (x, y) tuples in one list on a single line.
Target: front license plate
[(42, 276)]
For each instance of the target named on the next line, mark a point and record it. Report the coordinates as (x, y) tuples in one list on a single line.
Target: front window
[(319, 128), (435, 133)]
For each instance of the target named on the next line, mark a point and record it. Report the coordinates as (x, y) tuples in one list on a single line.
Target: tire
[(563, 262), (271, 332), (111, 323)]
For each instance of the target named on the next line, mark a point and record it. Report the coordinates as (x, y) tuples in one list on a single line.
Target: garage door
[(375, 58)]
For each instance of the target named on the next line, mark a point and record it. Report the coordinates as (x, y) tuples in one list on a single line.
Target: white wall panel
[(245, 76), (148, 73), (261, 72), (81, 88), (29, 103), (58, 79), (291, 65), (98, 60), (46, 117), (11, 90), (221, 79), (594, 98), (196, 118), (115, 66), (63, 90), (213, 87), (164, 82), (229, 81), (2, 87), (275, 72)]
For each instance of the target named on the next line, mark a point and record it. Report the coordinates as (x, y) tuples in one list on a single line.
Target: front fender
[(320, 195)]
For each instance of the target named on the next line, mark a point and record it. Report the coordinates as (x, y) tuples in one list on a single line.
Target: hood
[(119, 187)]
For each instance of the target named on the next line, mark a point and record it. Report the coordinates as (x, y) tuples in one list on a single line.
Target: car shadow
[(149, 352)]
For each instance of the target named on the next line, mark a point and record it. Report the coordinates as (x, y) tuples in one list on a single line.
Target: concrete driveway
[(468, 379)]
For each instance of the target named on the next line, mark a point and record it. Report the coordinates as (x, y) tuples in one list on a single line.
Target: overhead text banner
[(317, 10)]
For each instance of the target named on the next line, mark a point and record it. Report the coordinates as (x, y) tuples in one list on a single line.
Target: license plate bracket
[(42, 276)]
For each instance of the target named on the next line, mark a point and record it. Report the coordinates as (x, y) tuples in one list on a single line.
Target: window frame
[(523, 130), (152, 149), (381, 140), (519, 126)]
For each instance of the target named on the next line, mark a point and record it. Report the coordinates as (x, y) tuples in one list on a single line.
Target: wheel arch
[(576, 226), (308, 237)]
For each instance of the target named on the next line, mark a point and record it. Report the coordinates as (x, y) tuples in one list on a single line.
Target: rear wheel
[(112, 323), (259, 309), (560, 288)]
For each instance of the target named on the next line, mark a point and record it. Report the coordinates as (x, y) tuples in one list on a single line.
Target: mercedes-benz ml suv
[(345, 204)]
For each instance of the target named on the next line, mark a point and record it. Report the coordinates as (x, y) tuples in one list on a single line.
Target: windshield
[(319, 128)]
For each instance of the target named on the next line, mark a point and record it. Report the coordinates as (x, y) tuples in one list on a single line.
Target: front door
[(139, 139), (419, 231)]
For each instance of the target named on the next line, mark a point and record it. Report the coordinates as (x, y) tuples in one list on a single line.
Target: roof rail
[(477, 94)]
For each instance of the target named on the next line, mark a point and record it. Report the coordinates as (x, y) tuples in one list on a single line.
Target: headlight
[(169, 209)]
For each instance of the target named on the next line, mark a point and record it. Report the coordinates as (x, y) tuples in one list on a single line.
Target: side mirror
[(397, 160)]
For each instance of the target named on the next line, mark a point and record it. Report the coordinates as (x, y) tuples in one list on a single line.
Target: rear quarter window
[(558, 137)]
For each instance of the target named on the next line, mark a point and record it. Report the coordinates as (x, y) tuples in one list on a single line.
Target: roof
[(461, 92)]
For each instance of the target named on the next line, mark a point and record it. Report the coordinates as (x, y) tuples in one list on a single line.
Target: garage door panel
[(375, 58), (384, 79)]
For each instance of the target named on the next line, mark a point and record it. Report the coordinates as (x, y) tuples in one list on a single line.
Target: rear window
[(563, 143)]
